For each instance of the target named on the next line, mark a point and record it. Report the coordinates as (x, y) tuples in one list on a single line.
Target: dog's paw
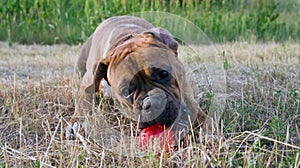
[(72, 131)]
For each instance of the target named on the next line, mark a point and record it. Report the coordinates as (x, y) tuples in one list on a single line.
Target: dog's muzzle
[(157, 107)]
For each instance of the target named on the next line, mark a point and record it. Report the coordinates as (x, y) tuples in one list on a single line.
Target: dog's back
[(106, 34)]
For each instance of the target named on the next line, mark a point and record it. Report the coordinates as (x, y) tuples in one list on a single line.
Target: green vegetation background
[(72, 21)]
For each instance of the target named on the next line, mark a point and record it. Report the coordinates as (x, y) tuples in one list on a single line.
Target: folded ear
[(91, 80), (165, 37)]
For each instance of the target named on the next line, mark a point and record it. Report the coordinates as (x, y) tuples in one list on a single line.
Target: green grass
[(260, 124), (72, 21)]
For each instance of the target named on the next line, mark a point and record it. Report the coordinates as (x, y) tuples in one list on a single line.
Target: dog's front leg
[(79, 122)]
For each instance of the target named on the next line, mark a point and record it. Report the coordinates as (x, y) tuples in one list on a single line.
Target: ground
[(259, 124)]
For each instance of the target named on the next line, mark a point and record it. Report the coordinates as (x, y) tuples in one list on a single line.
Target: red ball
[(156, 138)]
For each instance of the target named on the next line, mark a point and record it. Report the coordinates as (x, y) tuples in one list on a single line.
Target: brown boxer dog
[(139, 62)]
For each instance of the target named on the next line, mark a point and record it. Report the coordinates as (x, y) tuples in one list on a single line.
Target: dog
[(140, 64)]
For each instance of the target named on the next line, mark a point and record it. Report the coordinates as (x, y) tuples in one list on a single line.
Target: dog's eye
[(163, 75)]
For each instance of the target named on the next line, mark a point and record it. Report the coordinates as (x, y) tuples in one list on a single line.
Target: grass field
[(260, 125), (72, 21), (257, 41)]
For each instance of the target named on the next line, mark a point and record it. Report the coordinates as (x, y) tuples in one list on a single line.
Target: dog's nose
[(146, 103)]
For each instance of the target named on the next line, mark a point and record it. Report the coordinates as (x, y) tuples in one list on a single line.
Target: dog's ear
[(125, 45), (165, 37), (91, 80)]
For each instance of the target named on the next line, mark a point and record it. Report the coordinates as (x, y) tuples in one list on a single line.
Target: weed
[(260, 124), (71, 22)]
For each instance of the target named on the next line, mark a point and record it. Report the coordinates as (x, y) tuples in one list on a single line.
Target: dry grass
[(260, 124)]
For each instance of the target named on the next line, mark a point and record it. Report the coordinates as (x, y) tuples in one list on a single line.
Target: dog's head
[(146, 81), (148, 78)]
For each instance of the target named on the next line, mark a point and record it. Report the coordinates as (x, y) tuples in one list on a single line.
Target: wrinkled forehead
[(143, 59)]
